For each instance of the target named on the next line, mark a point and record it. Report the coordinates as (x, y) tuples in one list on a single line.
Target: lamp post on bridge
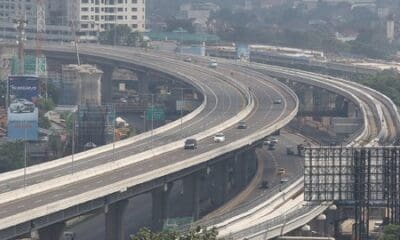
[(182, 104)]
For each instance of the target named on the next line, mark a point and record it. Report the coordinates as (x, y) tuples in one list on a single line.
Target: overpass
[(253, 75), (275, 212), (99, 179)]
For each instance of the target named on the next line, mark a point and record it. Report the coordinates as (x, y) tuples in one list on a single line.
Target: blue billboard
[(23, 115), (23, 87), (22, 130)]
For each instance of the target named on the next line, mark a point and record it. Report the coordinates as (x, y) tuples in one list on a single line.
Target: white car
[(219, 137), (20, 105), (212, 63), (274, 140)]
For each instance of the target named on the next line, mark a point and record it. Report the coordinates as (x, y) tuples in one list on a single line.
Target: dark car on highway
[(190, 143), (242, 125)]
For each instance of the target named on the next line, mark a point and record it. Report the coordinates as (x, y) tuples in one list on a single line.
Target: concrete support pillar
[(352, 111), (143, 83), (52, 232), (252, 159), (325, 100), (238, 170), (106, 84), (308, 99), (244, 169), (221, 183), (114, 220), (341, 106), (160, 206), (191, 196)]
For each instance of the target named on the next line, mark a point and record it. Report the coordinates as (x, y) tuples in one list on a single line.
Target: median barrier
[(107, 167), (169, 169)]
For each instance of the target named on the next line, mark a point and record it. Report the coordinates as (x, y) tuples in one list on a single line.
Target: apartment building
[(99, 15), (89, 17), (11, 9)]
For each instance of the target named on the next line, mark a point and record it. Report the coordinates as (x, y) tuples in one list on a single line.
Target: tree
[(174, 24), (391, 232), (46, 105), (195, 234), (11, 156), (120, 35), (386, 82)]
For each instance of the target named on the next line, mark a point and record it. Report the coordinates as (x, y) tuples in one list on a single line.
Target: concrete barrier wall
[(106, 190), (85, 174), (105, 148), (109, 147), (324, 83), (292, 224)]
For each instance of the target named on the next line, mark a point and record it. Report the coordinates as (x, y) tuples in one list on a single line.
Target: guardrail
[(65, 203), (106, 190), (109, 147), (271, 197), (111, 166), (247, 209), (276, 226)]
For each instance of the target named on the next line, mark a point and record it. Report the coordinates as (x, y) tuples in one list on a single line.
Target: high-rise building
[(88, 17), (94, 16), (10, 10), (390, 28)]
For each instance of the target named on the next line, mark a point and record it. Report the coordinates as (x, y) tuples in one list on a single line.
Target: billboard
[(22, 111), (242, 51), (344, 174)]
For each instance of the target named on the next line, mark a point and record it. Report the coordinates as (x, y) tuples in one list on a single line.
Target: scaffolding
[(361, 177)]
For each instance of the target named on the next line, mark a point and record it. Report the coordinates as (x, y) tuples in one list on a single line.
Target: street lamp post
[(152, 116), (73, 142), (25, 153), (152, 119), (181, 125), (113, 153), (181, 107)]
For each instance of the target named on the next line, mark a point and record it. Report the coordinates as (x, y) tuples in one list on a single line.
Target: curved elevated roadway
[(272, 215), (51, 187)]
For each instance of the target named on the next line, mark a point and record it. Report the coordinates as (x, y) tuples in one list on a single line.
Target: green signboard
[(30, 62), (157, 112)]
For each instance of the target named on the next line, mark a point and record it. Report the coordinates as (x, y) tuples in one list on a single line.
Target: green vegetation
[(44, 106), (386, 82), (391, 232), (11, 156), (69, 120), (300, 27), (195, 234), (174, 24), (121, 35)]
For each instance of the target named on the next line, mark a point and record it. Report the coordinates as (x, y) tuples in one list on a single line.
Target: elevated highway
[(278, 212), (58, 190)]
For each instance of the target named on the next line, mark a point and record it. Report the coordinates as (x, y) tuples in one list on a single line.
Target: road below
[(139, 209)]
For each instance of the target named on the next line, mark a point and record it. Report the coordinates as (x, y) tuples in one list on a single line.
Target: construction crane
[(20, 25), (40, 31)]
